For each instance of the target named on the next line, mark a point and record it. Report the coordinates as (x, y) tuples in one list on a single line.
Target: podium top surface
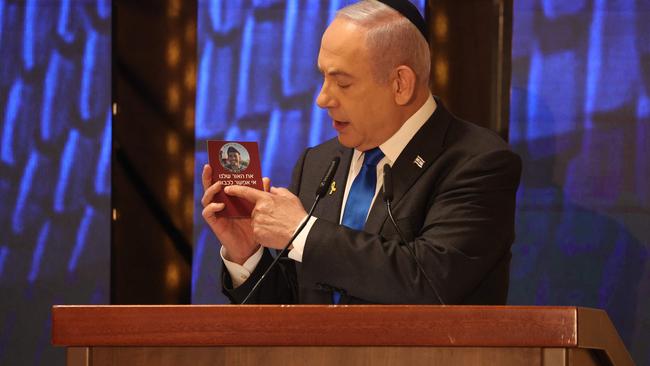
[(329, 325)]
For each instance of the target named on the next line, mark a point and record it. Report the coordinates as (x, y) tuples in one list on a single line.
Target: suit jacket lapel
[(331, 205), (417, 157)]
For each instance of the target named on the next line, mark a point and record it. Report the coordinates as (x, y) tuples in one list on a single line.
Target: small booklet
[(235, 163)]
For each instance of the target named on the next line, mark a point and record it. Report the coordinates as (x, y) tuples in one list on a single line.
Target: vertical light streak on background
[(82, 234), (535, 75), (28, 34), (11, 113), (103, 173), (335, 5), (87, 76), (594, 56), (64, 168), (287, 41), (215, 13), (242, 103), (62, 24), (51, 82), (103, 8), (271, 142), (26, 184), (37, 256), (233, 133)]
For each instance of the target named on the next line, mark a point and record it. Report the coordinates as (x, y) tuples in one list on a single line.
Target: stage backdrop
[(580, 118), (54, 168)]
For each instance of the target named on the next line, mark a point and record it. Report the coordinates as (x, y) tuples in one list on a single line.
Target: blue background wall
[(580, 118), (55, 136)]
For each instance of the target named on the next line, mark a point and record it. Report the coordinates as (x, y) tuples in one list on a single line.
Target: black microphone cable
[(387, 188), (320, 192)]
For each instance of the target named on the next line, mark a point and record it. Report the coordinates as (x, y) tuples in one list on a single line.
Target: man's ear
[(404, 82)]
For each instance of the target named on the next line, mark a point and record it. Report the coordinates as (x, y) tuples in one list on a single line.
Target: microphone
[(387, 187), (320, 193), (328, 177), (387, 190)]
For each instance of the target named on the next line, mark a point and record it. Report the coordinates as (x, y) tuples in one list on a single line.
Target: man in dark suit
[(454, 186)]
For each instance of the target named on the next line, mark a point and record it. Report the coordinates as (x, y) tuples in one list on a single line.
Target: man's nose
[(324, 99)]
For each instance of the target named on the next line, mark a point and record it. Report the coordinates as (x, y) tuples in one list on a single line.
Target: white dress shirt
[(392, 148)]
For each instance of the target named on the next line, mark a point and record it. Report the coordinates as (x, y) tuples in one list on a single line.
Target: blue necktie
[(360, 196)]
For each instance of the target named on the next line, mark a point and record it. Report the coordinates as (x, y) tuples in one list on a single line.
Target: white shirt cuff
[(239, 273), (298, 246)]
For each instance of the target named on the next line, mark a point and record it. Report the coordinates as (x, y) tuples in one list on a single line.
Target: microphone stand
[(284, 250), (320, 193), (388, 197)]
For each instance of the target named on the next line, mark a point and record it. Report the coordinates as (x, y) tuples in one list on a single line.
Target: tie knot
[(372, 157)]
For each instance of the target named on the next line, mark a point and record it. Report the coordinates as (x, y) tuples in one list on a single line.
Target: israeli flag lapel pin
[(419, 161)]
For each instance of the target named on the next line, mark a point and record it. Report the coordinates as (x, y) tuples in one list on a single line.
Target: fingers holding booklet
[(234, 233), (240, 207), (276, 214)]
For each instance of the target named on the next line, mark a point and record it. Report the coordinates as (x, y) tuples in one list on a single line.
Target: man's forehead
[(342, 46), (342, 33)]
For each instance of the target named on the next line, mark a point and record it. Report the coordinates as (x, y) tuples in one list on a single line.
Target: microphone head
[(328, 177), (387, 187)]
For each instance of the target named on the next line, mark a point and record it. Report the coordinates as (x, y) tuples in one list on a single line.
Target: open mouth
[(339, 125)]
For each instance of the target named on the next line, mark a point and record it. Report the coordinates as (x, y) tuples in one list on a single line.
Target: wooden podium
[(336, 335)]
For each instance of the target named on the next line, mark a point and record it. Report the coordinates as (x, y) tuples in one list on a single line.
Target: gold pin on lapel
[(332, 187)]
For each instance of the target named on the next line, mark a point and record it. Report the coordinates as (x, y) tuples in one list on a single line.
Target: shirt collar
[(393, 147)]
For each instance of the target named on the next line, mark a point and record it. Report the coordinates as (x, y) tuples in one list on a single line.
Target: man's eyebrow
[(334, 72)]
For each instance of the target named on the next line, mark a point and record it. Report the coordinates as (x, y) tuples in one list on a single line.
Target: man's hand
[(235, 234), (276, 215)]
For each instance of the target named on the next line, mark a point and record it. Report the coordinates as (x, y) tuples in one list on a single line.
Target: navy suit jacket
[(456, 211)]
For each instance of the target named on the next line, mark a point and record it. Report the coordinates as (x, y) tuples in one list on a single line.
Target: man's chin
[(347, 142)]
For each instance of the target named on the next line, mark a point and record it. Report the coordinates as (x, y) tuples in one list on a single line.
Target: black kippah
[(410, 12)]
